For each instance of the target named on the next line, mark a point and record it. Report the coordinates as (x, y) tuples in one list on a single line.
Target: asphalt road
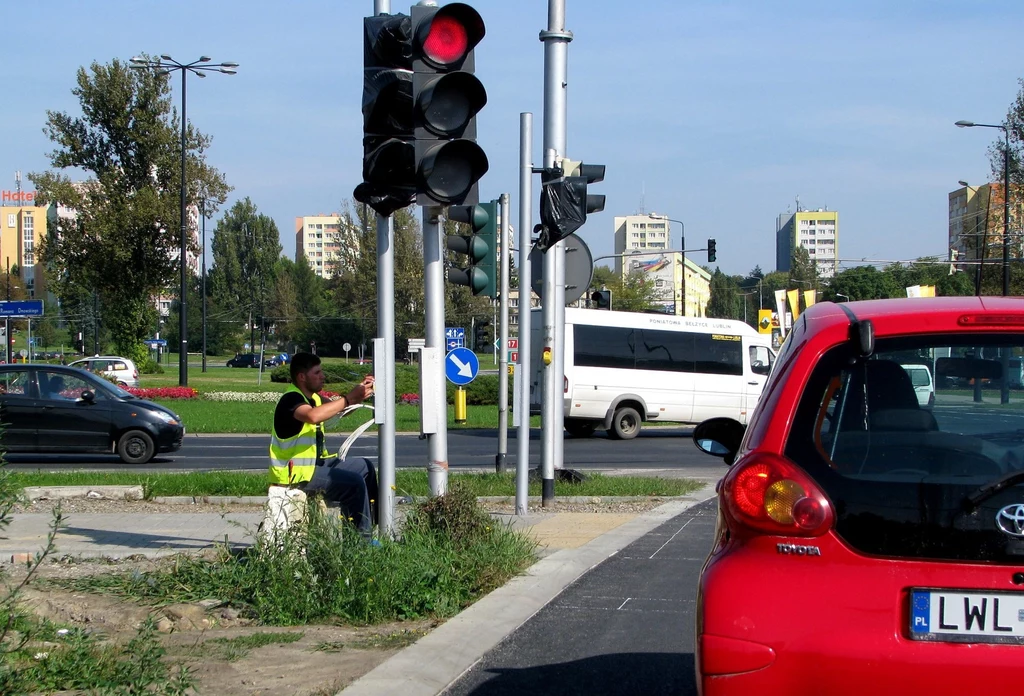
[(625, 628), (661, 449)]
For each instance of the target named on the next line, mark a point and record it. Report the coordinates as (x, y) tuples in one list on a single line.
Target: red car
[(867, 545)]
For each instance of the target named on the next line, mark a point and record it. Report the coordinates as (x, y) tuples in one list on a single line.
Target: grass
[(414, 483), (322, 570), (202, 416)]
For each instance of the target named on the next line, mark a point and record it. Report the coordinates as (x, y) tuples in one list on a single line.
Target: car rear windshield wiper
[(990, 489)]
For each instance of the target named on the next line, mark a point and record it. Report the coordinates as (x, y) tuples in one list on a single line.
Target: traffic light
[(388, 151), (711, 251), (480, 336), (564, 201), (601, 299), (446, 97), (480, 245)]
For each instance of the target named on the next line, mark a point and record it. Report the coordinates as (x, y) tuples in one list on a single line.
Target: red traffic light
[(449, 35)]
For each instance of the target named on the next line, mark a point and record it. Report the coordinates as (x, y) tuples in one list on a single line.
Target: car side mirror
[(88, 396), (719, 437)]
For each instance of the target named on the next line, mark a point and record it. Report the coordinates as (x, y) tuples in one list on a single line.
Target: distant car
[(245, 360), (122, 370), (863, 540), (277, 360), (56, 409)]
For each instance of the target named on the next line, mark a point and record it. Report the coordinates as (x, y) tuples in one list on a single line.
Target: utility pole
[(523, 374), (433, 278), (556, 52), (504, 244)]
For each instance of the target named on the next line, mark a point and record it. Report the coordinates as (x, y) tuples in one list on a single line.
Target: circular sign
[(346, 347), (579, 269), (23, 353)]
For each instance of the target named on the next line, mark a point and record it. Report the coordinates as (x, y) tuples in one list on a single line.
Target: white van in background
[(924, 385), (624, 368)]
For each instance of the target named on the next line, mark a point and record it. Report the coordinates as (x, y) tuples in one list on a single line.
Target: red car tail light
[(771, 494)]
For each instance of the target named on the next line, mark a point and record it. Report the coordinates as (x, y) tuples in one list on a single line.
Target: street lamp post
[(682, 245), (1004, 390), (1006, 196), (202, 211), (164, 66)]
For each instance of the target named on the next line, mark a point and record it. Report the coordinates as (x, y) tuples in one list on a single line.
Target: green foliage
[(124, 242), (724, 302), (149, 366), (455, 515), (803, 271), (635, 292), (323, 570)]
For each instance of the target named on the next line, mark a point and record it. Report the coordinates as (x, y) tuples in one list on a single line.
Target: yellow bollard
[(460, 405)]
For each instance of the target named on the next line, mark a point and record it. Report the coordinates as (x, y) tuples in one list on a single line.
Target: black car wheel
[(625, 424), (135, 447)]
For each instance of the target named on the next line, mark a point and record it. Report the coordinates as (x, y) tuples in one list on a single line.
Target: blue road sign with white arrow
[(461, 366)]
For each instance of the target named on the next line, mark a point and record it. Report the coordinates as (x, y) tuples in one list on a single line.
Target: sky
[(717, 114)]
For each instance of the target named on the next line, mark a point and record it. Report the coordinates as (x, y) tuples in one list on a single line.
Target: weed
[(232, 649), (389, 641)]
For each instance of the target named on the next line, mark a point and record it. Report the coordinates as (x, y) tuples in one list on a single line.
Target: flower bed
[(163, 392)]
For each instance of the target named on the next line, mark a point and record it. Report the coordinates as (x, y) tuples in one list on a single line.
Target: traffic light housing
[(446, 97), (480, 245), (480, 336), (564, 201), (601, 299), (388, 150), (712, 255)]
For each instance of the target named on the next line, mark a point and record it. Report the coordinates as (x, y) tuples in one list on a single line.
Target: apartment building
[(976, 223), (23, 227), (319, 239), (817, 231)]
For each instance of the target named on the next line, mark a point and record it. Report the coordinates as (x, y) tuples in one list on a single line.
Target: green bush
[(151, 367)]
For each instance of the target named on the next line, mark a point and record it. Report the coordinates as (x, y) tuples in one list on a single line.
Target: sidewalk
[(571, 543)]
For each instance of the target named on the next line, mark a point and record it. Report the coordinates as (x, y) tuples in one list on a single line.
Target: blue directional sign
[(454, 337), (155, 343), (21, 308), (461, 366)]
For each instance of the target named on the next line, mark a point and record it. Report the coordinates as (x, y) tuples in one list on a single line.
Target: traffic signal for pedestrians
[(480, 245), (564, 201), (446, 98), (601, 299), (388, 151), (711, 251)]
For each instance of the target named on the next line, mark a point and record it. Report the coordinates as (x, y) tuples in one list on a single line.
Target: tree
[(124, 241), (636, 292), (603, 275), (724, 302), (864, 283), (803, 272), (246, 247)]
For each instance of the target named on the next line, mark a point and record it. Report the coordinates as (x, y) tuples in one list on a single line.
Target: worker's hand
[(360, 392)]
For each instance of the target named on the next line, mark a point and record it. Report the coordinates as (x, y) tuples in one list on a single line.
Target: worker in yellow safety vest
[(298, 453)]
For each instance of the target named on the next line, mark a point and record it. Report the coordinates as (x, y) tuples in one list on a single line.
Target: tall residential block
[(817, 231), (23, 227), (319, 239)]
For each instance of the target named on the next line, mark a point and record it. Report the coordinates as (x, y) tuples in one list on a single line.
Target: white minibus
[(624, 368)]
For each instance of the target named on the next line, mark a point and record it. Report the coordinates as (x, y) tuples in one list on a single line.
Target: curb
[(433, 663)]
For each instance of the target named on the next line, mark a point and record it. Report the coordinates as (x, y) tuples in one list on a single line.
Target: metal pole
[(523, 376), (386, 332), (1004, 389), (433, 278), (504, 244), (556, 50), (182, 311), (95, 323), (203, 203), (7, 319)]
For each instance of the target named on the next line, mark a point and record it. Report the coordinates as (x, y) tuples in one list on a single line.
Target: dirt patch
[(228, 654)]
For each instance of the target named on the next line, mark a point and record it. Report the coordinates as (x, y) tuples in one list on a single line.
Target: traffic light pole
[(386, 332), (433, 279), (556, 52), (504, 244), (523, 375)]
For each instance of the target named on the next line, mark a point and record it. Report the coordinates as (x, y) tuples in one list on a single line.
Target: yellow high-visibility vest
[(293, 459)]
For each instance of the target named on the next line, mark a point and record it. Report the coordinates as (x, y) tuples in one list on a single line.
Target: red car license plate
[(967, 616)]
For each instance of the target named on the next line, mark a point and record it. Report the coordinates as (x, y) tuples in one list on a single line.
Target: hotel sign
[(18, 197)]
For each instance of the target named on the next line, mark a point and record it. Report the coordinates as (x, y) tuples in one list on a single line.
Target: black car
[(245, 360), (56, 409)]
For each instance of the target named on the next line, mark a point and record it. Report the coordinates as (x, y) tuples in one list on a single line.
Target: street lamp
[(202, 211), (1006, 196), (682, 245), (839, 294), (165, 65)]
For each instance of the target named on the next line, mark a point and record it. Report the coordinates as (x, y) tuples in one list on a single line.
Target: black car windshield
[(902, 442), (106, 387)]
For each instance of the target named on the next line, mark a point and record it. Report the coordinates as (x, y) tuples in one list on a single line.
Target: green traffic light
[(481, 246)]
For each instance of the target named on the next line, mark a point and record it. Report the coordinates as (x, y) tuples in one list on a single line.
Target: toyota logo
[(1011, 520)]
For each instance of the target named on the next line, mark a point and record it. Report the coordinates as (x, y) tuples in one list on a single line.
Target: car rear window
[(905, 479)]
